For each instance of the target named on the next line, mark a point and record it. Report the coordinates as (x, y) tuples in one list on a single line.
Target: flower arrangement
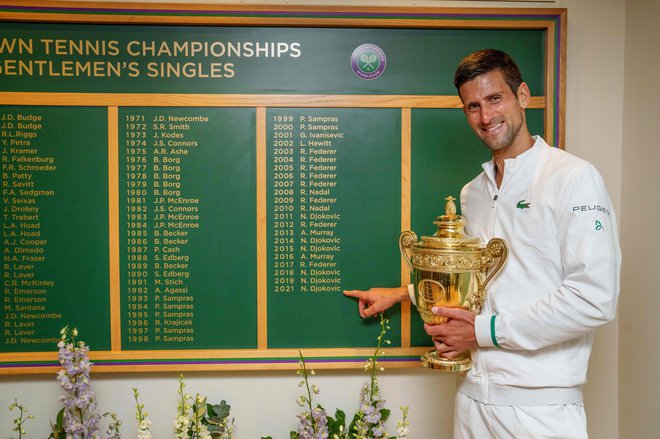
[(196, 419), (313, 422), (113, 431), (367, 423), (21, 419), (403, 425), (141, 416), (80, 417)]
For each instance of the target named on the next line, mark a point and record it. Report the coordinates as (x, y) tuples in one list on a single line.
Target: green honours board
[(139, 59), (187, 227), (334, 186), (194, 186), (54, 226)]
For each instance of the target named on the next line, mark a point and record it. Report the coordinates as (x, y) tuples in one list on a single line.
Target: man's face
[(495, 114)]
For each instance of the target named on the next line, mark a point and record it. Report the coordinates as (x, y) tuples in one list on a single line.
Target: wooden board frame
[(551, 21)]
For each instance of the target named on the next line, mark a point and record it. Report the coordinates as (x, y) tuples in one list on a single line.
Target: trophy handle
[(495, 249), (406, 240)]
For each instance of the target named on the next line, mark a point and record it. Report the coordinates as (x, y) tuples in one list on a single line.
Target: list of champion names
[(25, 246), (306, 241), (162, 217), (331, 223), (186, 192)]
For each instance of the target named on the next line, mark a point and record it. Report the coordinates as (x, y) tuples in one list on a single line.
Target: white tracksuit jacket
[(561, 280)]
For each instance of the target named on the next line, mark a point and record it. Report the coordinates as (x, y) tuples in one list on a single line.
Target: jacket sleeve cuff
[(482, 330), (411, 293)]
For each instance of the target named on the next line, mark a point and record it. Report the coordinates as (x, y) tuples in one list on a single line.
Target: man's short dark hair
[(485, 61)]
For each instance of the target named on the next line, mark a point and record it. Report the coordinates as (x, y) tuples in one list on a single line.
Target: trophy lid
[(450, 233)]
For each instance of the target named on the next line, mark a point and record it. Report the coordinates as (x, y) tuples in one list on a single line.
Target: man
[(532, 340)]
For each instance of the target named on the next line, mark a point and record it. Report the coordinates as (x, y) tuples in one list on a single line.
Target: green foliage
[(337, 425), (21, 419), (215, 418), (198, 419), (57, 429)]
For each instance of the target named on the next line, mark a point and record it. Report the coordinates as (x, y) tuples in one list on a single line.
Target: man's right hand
[(377, 300)]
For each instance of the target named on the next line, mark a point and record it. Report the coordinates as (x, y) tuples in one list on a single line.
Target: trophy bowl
[(450, 269)]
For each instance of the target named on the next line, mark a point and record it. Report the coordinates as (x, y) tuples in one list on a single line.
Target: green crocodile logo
[(522, 205)]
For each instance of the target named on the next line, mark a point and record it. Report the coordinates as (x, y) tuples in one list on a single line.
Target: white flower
[(181, 424), (204, 432), (144, 429), (402, 432)]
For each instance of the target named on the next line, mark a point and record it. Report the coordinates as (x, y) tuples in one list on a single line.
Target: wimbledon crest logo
[(368, 61)]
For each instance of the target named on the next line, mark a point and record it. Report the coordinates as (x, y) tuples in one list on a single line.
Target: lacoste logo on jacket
[(522, 205)]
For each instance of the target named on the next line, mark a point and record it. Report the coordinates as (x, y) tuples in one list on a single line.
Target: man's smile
[(492, 129)]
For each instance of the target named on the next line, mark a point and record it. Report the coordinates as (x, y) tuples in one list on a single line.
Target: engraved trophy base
[(460, 363)]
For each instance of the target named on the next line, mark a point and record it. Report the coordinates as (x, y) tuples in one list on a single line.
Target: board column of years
[(139, 306), (158, 225), (285, 216)]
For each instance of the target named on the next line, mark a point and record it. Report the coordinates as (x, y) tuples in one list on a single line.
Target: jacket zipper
[(491, 225), (491, 233)]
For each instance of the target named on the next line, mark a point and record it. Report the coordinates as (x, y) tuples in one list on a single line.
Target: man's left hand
[(455, 336)]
